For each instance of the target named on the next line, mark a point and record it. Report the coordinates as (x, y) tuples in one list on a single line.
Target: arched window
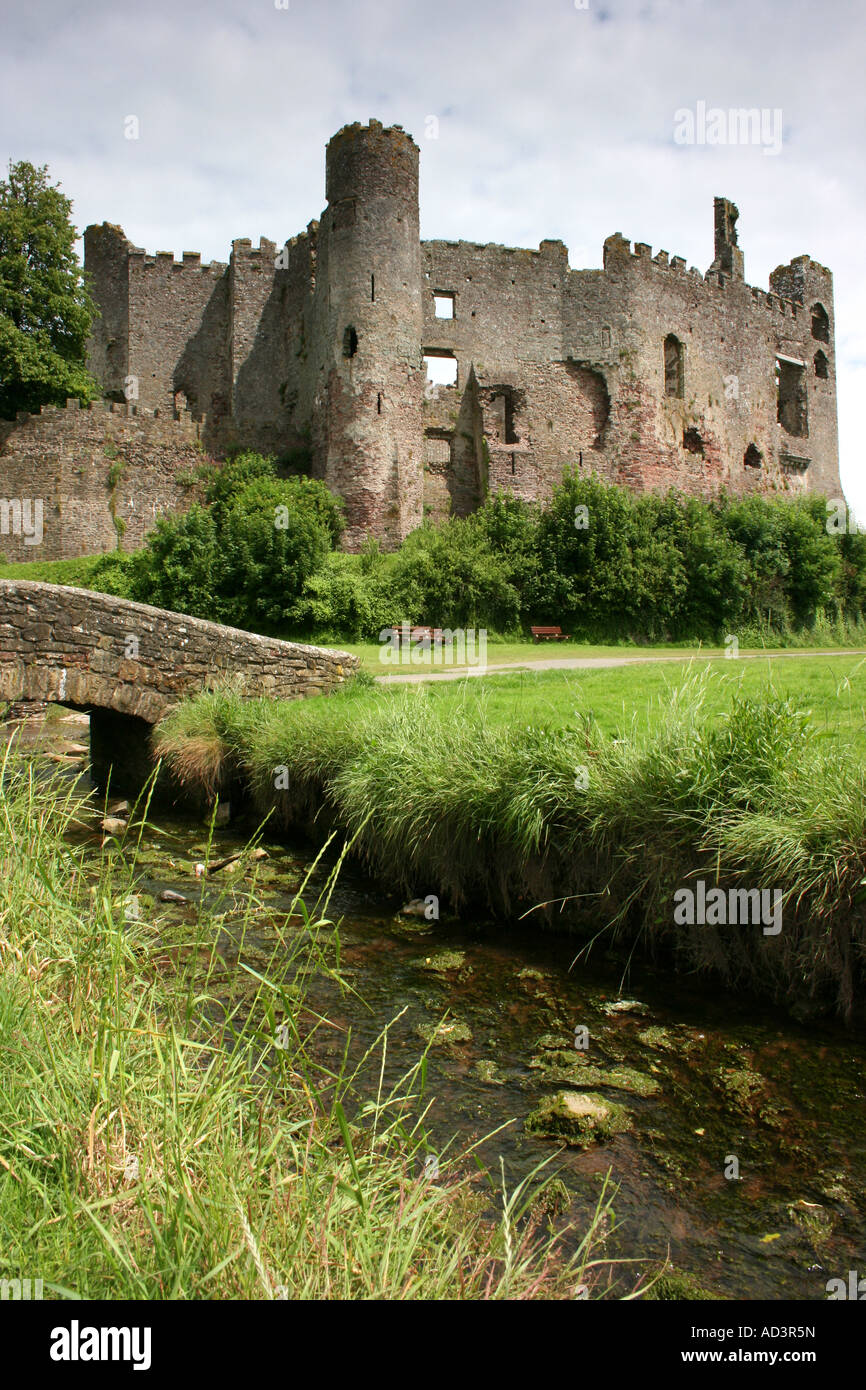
[(820, 323), (753, 458), (822, 365), (673, 366)]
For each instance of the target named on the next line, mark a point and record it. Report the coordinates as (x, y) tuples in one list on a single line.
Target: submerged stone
[(579, 1118), (568, 1065), (626, 1006), (453, 1030), (485, 1069), (443, 962)]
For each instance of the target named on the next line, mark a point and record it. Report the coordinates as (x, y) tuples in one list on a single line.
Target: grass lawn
[(602, 789), (832, 688)]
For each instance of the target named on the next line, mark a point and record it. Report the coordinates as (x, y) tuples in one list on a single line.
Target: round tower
[(370, 410)]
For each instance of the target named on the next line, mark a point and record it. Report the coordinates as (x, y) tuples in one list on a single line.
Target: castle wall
[(731, 336), (104, 476), (323, 344), (570, 371)]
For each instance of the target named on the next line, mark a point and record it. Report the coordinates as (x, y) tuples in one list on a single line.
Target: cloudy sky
[(553, 119)]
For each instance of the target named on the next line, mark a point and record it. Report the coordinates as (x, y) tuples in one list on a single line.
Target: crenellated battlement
[(167, 261), (620, 256), (125, 410)]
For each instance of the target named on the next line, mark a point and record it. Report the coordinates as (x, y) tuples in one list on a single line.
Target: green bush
[(178, 567), (272, 538)]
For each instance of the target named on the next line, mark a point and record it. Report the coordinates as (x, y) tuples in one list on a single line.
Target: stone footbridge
[(126, 664)]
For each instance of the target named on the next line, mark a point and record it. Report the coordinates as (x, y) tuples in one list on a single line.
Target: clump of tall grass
[(596, 828), (155, 1142)]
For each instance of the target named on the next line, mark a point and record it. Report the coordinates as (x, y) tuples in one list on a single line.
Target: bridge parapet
[(128, 664)]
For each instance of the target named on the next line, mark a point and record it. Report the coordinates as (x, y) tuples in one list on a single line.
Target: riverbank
[(167, 1131), (582, 825)]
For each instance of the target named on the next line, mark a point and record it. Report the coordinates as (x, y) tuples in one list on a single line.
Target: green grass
[(628, 698), (155, 1144), (105, 573), (597, 794)]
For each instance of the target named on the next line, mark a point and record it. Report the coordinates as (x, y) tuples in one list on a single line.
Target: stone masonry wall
[(92, 651), (104, 476)]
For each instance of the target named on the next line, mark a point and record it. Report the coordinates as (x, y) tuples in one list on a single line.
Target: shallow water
[(735, 1078)]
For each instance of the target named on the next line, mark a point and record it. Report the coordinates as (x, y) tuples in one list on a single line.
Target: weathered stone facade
[(648, 373), (102, 477)]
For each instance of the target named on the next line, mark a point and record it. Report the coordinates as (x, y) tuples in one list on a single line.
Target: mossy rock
[(679, 1287), (580, 1118), (740, 1085), (816, 1222), (554, 1042), (486, 1070), (625, 1006), (654, 1036), (443, 962), (567, 1065), (453, 1030)]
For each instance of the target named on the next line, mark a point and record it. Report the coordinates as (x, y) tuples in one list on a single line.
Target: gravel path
[(577, 663)]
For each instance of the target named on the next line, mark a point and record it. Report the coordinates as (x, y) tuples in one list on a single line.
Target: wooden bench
[(549, 634), (426, 634), (415, 635)]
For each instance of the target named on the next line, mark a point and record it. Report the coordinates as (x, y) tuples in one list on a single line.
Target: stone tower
[(368, 427)]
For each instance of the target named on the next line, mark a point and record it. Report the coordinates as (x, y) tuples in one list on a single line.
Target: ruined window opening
[(693, 442), (513, 468), (753, 458), (822, 365), (441, 367), (791, 408), (674, 383), (350, 342), (437, 447), (378, 402), (502, 410), (820, 323), (443, 305), (373, 288)]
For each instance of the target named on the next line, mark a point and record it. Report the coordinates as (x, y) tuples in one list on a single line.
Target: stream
[(714, 1083)]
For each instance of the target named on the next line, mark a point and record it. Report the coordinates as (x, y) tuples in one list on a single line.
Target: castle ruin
[(420, 376)]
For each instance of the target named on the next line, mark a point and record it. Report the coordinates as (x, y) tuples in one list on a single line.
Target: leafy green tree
[(307, 494), (794, 566), (271, 539), (45, 308), (179, 568), (715, 571), (448, 576), (586, 542)]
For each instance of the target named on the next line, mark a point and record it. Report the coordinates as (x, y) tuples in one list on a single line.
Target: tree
[(45, 308)]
